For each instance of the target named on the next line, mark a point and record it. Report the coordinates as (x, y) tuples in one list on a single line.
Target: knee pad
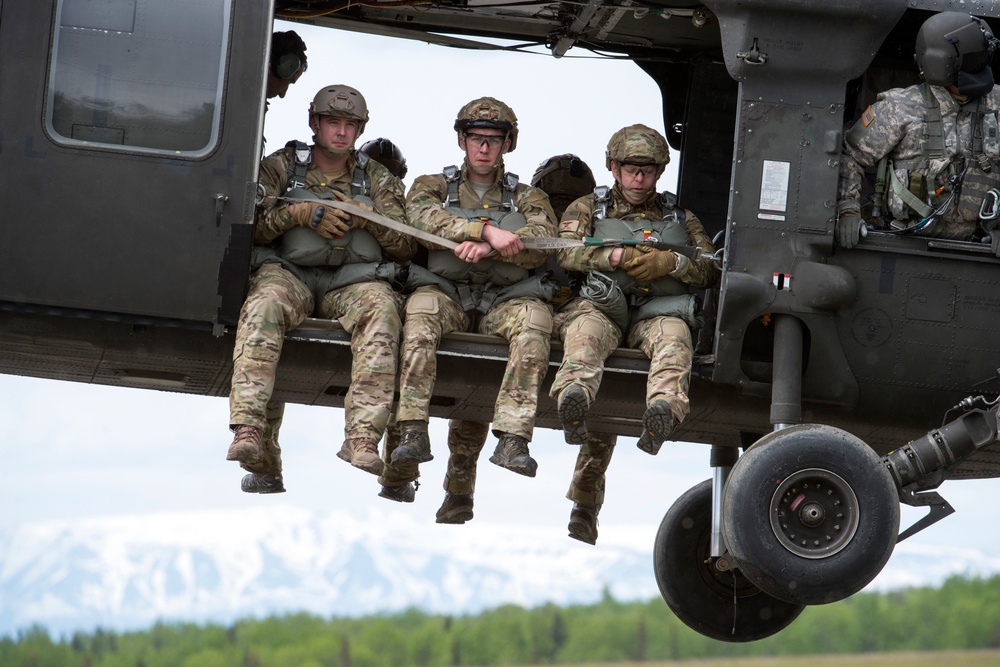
[(422, 303), (590, 326), (538, 317)]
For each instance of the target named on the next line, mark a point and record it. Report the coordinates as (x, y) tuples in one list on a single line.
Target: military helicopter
[(831, 384)]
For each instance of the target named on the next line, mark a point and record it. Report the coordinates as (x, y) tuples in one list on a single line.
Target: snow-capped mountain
[(129, 572)]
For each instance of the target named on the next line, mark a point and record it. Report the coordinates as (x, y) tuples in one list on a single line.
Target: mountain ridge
[(128, 572)]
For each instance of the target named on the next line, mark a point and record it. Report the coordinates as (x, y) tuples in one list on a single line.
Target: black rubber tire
[(810, 514), (720, 605)]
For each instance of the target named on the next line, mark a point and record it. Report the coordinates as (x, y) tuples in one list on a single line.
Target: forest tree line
[(961, 614)]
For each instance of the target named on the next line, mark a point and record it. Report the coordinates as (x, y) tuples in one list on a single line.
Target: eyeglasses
[(633, 170), (477, 140)]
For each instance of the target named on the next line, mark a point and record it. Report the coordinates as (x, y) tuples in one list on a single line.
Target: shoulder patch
[(868, 116)]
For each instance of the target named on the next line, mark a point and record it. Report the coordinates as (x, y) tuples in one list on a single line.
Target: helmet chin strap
[(333, 152), (484, 170), (338, 152)]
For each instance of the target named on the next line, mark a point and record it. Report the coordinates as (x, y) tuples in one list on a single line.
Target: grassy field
[(913, 659)]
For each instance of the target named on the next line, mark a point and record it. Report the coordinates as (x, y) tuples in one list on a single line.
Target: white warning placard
[(774, 186)]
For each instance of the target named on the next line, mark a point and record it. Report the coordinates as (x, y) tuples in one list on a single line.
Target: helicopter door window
[(138, 75)]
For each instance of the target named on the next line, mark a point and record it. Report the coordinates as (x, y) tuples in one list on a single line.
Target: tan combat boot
[(362, 453), (247, 444)]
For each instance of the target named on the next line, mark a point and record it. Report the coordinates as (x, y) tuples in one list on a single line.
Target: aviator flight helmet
[(956, 49)]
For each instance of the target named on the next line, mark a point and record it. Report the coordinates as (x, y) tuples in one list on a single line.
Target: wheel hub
[(814, 513)]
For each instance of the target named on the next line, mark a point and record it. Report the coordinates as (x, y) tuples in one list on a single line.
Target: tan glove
[(357, 221), (629, 253), (647, 264), (327, 221)]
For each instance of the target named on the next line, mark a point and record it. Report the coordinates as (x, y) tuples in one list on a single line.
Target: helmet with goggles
[(488, 112)]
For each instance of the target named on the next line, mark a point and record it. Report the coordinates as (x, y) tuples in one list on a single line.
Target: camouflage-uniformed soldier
[(563, 178), (486, 211), (310, 253), (465, 439), (638, 290), (566, 178), (386, 154), (939, 139)]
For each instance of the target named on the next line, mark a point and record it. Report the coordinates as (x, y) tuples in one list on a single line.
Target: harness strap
[(910, 199)]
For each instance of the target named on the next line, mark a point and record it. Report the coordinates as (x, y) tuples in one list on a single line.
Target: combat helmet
[(387, 154), (341, 101), (564, 178), (490, 113), (638, 144), (954, 48)]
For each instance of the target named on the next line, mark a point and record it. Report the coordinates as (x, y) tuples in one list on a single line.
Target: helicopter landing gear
[(810, 514), (705, 593)]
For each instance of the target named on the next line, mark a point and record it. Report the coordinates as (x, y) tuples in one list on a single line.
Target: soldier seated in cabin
[(311, 252), (563, 178), (486, 283), (936, 144), (636, 291)]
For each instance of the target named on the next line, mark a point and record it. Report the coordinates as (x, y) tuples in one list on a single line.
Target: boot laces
[(367, 446)]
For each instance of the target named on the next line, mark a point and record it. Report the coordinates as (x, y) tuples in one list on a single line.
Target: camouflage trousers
[(370, 312), (588, 338), (525, 323), (587, 487), (276, 302), (465, 441), (667, 343), (270, 461), (430, 314)]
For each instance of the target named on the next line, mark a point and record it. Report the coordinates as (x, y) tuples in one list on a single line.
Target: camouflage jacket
[(577, 223), (273, 219), (425, 211), (895, 126)]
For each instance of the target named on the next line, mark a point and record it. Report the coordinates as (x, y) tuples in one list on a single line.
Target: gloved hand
[(847, 229), (357, 221), (328, 222), (647, 264), (629, 253)]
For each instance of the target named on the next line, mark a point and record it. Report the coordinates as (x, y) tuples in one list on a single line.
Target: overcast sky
[(74, 450)]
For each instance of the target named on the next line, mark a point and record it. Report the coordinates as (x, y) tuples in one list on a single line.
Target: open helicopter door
[(131, 139)]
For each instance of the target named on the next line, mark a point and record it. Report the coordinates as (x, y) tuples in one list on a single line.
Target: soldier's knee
[(423, 303), (538, 317), (592, 325), (674, 328)]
